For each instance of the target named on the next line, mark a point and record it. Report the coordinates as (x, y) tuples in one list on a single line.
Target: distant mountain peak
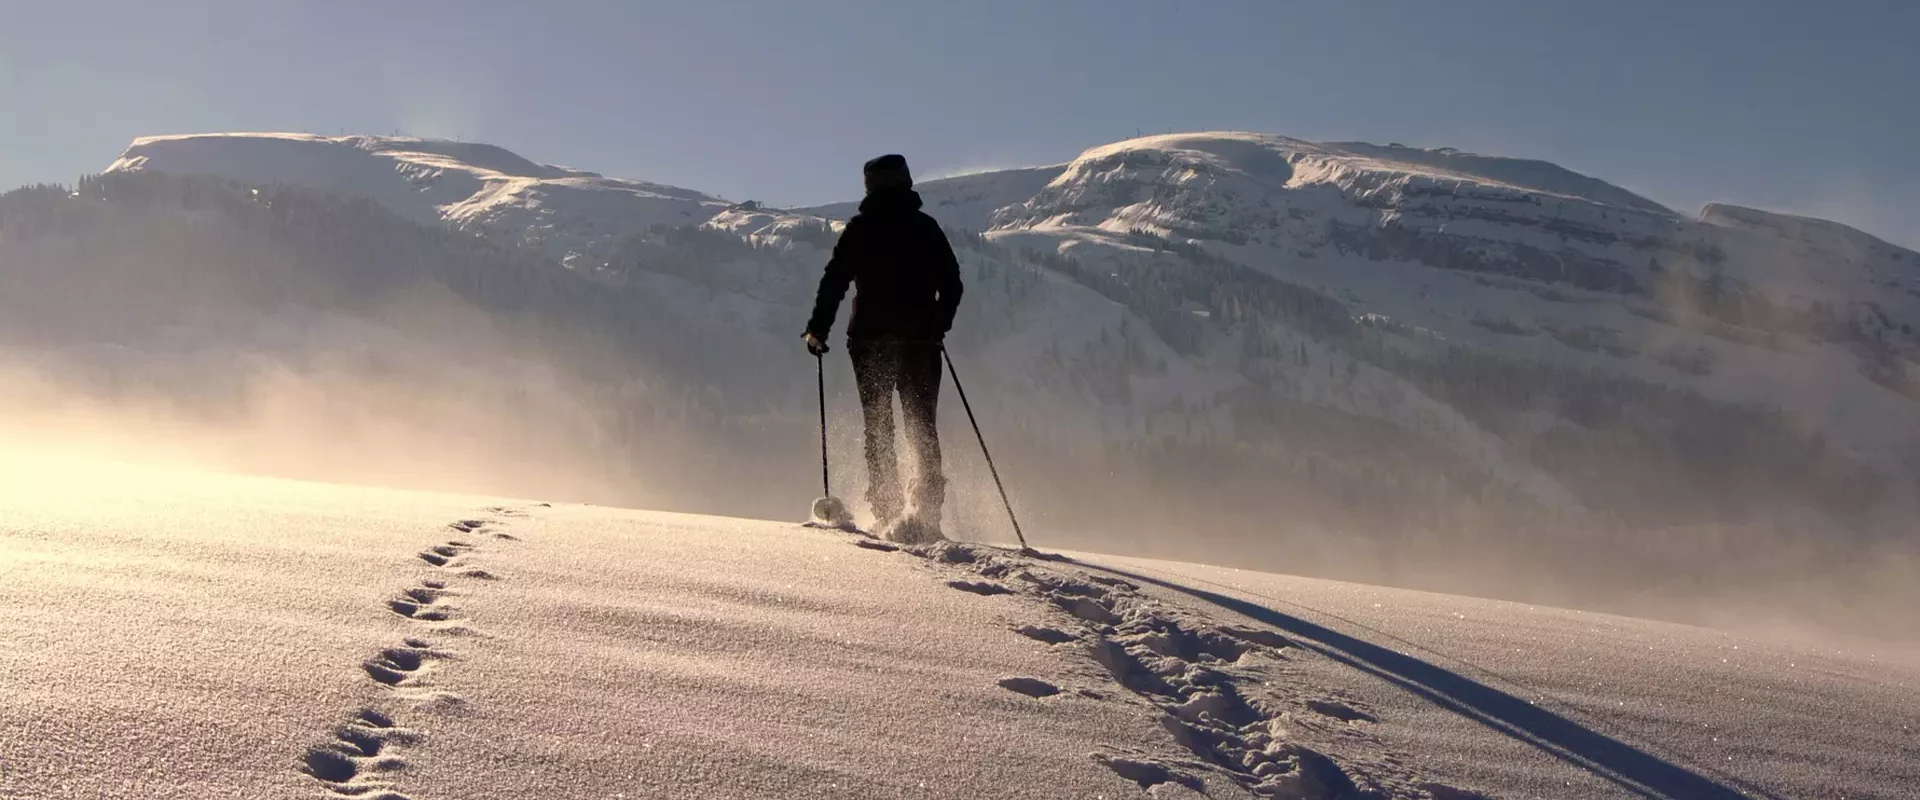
[(1273, 156), (566, 212)]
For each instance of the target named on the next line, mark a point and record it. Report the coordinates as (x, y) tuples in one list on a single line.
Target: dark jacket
[(908, 278)]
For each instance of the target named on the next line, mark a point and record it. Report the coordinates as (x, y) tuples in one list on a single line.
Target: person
[(908, 289)]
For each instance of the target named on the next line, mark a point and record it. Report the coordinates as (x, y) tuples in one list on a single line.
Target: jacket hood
[(891, 201)]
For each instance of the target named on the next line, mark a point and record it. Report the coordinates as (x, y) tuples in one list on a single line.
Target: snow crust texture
[(177, 635)]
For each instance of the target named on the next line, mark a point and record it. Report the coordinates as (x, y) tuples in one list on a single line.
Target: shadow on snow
[(1626, 766)]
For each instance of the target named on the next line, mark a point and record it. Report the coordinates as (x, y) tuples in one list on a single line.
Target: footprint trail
[(1221, 691), (363, 756)]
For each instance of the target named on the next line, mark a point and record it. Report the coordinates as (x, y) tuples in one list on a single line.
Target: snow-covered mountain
[(1443, 247), (1372, 337), (471, 186)]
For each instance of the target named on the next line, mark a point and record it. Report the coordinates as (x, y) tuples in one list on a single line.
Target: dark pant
[(882, 369)]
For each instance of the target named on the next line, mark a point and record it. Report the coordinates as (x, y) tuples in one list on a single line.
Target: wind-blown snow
[(1590, 354), (191, 635)]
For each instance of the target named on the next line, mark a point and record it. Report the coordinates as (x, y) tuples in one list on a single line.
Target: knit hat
[(888, 172)]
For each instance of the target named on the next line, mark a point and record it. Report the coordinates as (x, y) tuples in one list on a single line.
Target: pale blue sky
[(1796, 106)]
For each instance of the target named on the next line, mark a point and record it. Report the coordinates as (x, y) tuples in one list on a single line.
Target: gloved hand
[(815, 344)]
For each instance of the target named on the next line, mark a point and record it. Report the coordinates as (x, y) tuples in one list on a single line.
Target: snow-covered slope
[(965, 202), (1538, 176), (568, 213), (188, 635), (1442, 249)]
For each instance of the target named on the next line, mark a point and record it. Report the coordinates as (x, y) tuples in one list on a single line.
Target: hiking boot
[(916, 528), (884, 520)]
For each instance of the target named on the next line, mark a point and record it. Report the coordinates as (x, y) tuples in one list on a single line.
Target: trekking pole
[(828, 510), (1024, 548), (826, 483)]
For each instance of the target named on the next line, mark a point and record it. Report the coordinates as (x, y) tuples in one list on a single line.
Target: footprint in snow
[(1031, 687), (359, 752), (1044, 634), (1148, 774), (1086, 608), (981, 588), (422, 604), (426, 595), (397, 665), (373, 719), (445, 555)]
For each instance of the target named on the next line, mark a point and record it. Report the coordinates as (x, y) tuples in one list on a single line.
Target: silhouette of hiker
[(908, 292)]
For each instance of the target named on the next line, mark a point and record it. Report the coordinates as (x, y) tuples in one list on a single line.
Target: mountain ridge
[(1188, 287), (414, 155), (565, 212)]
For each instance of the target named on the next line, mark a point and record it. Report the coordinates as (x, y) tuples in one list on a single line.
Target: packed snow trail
[(1552, 702), (169, 634)]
